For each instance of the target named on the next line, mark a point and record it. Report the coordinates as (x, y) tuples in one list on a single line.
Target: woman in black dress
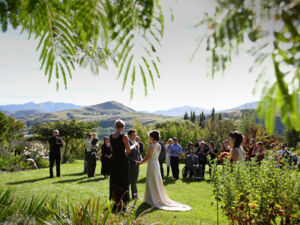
[(119, 183), (106, 155)]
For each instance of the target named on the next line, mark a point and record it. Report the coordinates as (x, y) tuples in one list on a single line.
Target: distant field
[(78, 187)]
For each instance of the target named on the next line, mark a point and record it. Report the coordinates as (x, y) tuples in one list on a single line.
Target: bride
[(155, 193)]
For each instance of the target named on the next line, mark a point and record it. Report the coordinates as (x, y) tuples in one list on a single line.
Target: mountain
[(250, 105), (106, 113), (179, 111), (42, 107)]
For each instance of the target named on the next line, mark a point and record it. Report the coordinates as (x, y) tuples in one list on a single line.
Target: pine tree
[(193, 116), (202, 120), (212, 115), (186, 116), (220, 116)]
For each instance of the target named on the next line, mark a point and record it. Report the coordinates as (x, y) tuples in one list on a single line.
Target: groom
[(134, 158)]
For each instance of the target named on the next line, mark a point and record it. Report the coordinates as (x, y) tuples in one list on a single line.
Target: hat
[(89, 134)]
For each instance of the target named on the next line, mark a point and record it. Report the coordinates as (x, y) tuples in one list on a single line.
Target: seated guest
[(189, 148), (283, 156), (202, 153), (260, 151), (226, 147), (192, 166)]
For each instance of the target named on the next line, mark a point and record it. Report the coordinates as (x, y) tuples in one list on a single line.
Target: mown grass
[(78, 187)]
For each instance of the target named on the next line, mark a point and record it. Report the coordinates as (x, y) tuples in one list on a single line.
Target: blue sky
[(182, 82)]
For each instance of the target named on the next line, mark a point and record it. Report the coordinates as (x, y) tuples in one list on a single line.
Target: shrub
[(38, 152), (44, 210), (253, 194)]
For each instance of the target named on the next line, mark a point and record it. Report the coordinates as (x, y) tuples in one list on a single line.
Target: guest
[(213, 153), (198, 143), (252, 149), (283, 155), (56, 144), (92, 156), (189, 148), (88, 147), (106, 155), (260, 152), (161, 158), (168, 159), (141, 145), (202, 153), (225, 147), (192, 166), (175, 152), (134, 157), (119, 183), (237, 152)]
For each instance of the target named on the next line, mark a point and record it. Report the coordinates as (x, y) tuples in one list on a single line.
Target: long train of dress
[(155, 193)]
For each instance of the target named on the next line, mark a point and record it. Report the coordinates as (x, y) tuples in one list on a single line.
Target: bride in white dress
[(155, 193)]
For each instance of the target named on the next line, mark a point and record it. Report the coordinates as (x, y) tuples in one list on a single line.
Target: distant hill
[(23, 113), (42, 107), (106, 113), (250, 105), (179, 111)]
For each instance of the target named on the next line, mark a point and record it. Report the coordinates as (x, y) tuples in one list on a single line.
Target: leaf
[(144, 79)]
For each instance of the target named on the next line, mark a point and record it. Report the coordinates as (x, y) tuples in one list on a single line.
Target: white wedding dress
[(155, 194)]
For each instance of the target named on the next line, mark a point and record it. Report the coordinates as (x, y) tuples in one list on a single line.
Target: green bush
[(253, 194), (44, 210)]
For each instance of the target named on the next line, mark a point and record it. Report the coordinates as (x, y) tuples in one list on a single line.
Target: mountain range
[(31, 108), (179, 111), (38, 107), (106, 113)]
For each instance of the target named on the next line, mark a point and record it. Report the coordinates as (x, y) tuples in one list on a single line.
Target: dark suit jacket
[(134, 154), (161, 156), (55, 145), (190, 161), (141, 147)]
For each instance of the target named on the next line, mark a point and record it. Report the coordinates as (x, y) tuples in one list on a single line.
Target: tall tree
[(186, 116), (193, 116), (202, 120), (68, 130), (212, 116), (220, 116)]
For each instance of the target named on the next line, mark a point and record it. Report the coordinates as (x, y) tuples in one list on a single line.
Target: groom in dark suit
[(134, 157)]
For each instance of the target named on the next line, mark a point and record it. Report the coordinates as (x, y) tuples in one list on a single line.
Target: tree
[(202, 120), (220, 116), (212, 115), (271, 30), (186, 116), (68, 130), (292, 138), (193, 117), (89, 34), (9, 128)]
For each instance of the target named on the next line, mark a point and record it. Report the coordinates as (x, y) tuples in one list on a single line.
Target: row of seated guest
[(197, 160)]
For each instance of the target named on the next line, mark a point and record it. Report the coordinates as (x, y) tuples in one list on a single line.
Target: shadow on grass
[(74, 174), (70, 180), (143, 209), (28, 181), (92, 180), (168, 180)]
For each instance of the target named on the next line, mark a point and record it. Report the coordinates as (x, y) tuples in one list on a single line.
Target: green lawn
[(77, 186)]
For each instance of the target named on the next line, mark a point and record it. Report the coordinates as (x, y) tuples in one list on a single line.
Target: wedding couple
[(155, 193)]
